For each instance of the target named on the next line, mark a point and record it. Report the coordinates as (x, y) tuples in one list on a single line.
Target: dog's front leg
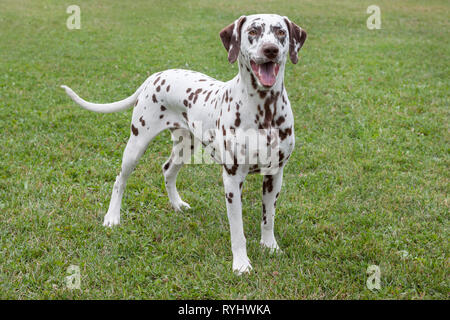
[(241, 263), (271, 190)]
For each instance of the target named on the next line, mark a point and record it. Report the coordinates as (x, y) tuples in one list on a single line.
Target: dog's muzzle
[(266, 69)]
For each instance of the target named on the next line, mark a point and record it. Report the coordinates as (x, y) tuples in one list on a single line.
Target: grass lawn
[(367, 184)]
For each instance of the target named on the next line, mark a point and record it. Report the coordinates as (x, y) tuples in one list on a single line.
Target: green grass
[(369, 176)]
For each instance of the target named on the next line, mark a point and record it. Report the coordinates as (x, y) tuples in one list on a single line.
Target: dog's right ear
[(231, 38)]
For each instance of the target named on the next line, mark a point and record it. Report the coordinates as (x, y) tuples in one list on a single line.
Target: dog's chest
[(262, 116)]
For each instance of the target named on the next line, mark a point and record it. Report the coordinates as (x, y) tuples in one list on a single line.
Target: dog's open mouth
[(266, 72)]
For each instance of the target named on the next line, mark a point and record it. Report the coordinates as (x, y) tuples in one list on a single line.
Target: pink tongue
[(266, 74)]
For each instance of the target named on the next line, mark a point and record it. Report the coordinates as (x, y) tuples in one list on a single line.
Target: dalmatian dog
[(181, 100)]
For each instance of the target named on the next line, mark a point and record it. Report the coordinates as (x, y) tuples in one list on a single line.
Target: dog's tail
[(106, 107)]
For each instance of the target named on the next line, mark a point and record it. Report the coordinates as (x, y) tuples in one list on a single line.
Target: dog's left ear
[(297, 37), (231, 38)]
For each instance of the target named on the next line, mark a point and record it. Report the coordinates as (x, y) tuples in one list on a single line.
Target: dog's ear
[(297, 37), (231, 38)]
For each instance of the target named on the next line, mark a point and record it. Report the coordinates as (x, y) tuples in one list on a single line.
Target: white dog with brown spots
[(255, 99)]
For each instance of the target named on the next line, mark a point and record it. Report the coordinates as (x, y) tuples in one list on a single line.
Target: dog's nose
[(270, 50)]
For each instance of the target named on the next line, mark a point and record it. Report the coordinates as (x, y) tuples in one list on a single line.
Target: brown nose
[(270, 50)]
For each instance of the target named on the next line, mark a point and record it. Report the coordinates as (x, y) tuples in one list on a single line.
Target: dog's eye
[(281, 33), (252, 33)]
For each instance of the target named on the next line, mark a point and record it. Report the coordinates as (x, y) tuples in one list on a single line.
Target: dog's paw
[(111, 220), (180, 206), (241, 265), (271, 245)]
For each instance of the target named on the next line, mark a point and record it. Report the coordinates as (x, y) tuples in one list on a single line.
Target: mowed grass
[(367, 184)]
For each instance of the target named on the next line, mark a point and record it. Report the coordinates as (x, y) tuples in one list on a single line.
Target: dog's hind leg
[(173, 165), (136, 146)]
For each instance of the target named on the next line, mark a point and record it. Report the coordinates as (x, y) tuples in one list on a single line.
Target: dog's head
[(262, 42)]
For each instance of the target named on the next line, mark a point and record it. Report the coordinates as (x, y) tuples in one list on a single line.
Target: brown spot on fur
[(167, 165), (262, 94), (279, 121), (233, 169), (261, 112), (237, 122), (163, 108), (284, 133), (168, 88), (254, 85), (229, 197), (268, 114), (207, 97), (267, 184), (154, 99), (134, 130), (142, 121), (254, 169), (264, 213)]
